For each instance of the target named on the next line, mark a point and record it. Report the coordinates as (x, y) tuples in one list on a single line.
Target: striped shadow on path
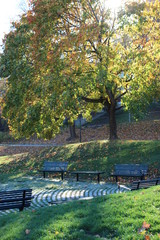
[(43, 198)]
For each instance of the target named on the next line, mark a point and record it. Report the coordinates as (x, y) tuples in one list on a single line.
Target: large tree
[(145, 40), (75, 57)]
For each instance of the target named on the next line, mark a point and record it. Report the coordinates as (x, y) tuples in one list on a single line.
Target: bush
[(5, 137), (3, 125)]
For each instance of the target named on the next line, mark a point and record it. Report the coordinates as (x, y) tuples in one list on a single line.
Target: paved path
[(29, 145), (81, 190)]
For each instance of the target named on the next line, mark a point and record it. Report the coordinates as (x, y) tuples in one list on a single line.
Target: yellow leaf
[(142, 231)]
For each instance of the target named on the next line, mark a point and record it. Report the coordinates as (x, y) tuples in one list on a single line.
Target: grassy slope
[(118, 216), (99, 155)]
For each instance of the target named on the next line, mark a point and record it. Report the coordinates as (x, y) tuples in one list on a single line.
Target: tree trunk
[(72, 130), (112, 123)]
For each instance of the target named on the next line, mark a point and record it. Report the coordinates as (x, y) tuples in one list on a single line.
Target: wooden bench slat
[(55, 167), (16, 191), (16, 194), (7, 207), (127, 174), (15, 199), (145, 184), (129, 170), (131, 166), (14, 204), (89, 173), (51, 170)]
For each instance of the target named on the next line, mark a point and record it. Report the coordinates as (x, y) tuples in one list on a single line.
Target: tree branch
[(119, 108), (93, 11), (128, 80), (121, 95), (71, 24), (93, 46), (93, 100), (105, 41)]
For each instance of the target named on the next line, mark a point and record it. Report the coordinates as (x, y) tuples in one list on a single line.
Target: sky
[(9, 11)]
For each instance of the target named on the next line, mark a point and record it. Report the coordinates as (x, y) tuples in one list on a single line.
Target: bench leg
[(44, 175), (23, 203), (62, 175), (77, 177), (98, 177)]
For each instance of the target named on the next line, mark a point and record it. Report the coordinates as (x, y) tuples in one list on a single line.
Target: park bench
[(55, 167), (130, 170), (77, 173), (145, 183), (15, 199)]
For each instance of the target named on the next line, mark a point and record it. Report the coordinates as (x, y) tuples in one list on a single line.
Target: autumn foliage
[(70, 57)]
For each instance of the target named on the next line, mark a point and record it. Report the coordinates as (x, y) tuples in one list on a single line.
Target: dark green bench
[(55, 167), (15, 199), (130, 170), (141, 184), (77, 173)]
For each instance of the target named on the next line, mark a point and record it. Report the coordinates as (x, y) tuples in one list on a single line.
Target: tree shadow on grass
[(110, 217), (91, 156), (76, 220)]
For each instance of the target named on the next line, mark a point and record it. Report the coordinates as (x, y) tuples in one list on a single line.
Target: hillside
[(130, 215), (96, 155), (145, 130)]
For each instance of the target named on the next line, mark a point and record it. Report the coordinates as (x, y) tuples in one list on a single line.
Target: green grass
[(118, 216), (98, 155)]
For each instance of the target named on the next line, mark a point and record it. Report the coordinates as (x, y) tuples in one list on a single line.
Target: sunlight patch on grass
[(6, 159), (10, 158), (96, 155), (116, 216)]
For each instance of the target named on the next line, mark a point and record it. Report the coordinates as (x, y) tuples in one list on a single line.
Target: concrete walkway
[(29, 145), (48, 192)]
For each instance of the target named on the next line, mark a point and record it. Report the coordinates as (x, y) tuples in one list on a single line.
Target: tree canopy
[(145, 38), (70, 57)]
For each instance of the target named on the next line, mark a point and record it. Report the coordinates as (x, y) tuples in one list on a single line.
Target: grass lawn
[(118, 216), (98, 155), (133, 215)]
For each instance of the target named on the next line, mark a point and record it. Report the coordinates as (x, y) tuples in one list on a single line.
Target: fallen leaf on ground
[(146, 225), (142, 231), (147, 237)]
